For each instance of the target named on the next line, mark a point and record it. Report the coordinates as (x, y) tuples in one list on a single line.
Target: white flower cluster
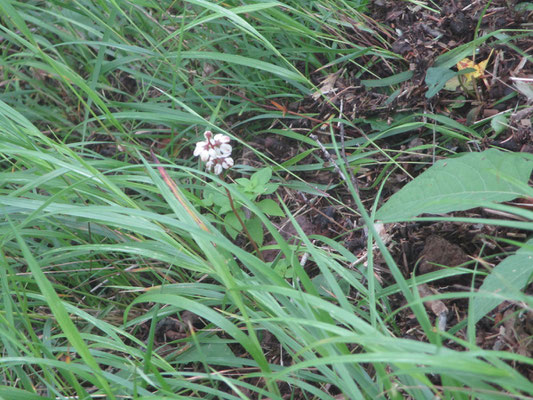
[(215, 151)]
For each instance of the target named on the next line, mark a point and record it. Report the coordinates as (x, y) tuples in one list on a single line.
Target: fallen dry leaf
[(327, 85), (436, 306), (468, 79)]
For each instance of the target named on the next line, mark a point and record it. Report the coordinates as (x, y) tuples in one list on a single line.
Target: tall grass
[(96, 248)]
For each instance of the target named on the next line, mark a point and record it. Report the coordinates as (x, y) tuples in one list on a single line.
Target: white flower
[(200, 147), (208, 136), (204, 151), (215, 152), (224, 150), (227, 163), (218, 169), (220, 138)]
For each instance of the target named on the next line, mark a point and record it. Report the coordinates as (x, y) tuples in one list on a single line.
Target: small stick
[(343, 152), (330, 159), (327, 156)]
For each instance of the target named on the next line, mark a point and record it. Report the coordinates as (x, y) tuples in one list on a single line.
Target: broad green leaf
[(231, 220), (261, 177), (507, 278), (232, 232), (270, 207), (255, 228), (270, 188), (461, 183), (208, 199), (437, 77), (244, 182)]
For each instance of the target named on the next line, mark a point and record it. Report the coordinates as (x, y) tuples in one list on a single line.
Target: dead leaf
[(437, 306), (280, 107), (327, 85), (524, 87), (479, 69)]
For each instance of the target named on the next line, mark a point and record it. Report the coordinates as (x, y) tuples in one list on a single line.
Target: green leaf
[(324, 287), (298, 157), (507, 278), (453, 124), (461, 183), (389, 81), (261, 177), (523, 7), (61, 315), (208, 199), (255, 228), (270, 188), (210, 353), (230, 220), (304, 187), (250, 62), (231, 232), (284, 269), (221, 200), (270, 207), (499, 123), (244, 182), (437, 77), (19, 394)]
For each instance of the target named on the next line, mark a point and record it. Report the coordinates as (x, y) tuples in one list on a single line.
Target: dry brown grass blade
[(172, 185)]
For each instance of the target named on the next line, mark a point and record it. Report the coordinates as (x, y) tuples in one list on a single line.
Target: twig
[(343, 153), (328, 157)]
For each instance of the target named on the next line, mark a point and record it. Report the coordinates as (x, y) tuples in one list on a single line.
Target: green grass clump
[(98, 247)]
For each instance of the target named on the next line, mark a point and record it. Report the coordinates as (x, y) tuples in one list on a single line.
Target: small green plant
[(215, 151), (257, 185)]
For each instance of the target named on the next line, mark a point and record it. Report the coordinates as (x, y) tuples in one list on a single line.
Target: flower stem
[(259, 254)]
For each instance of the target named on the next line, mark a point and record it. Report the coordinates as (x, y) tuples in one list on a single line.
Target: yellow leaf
[(479, 69)]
